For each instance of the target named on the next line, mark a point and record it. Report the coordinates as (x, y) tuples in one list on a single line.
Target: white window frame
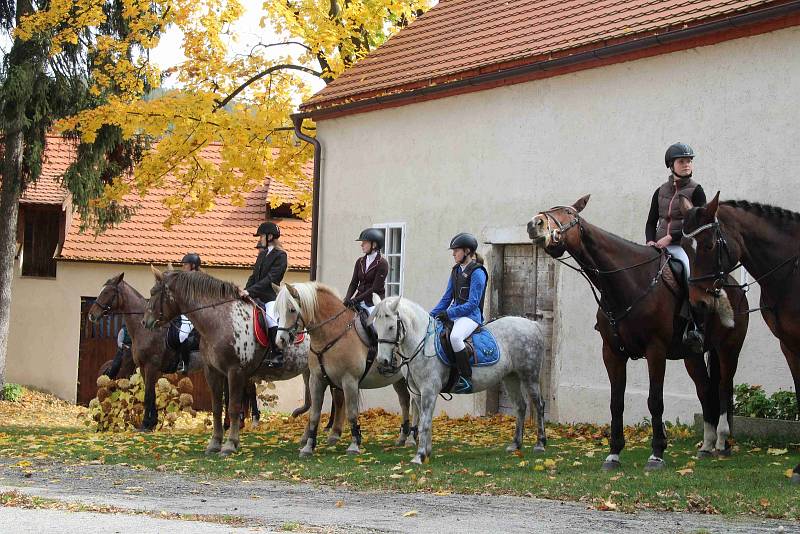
[(402, 227)]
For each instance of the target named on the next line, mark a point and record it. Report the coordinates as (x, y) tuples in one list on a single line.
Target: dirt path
[(278, 505)]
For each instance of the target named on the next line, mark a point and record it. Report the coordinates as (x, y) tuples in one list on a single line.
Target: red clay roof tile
[(458, 38)]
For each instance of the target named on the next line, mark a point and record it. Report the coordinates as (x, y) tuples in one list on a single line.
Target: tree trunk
[(9, 208)]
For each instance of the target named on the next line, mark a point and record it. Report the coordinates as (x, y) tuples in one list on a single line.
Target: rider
[(123, 344), (187, 334), (370, 271), (462, 302), (665, 221), (269, 269)]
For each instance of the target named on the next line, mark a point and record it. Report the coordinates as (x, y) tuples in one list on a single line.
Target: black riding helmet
[(192, 259), (464, 240), (268, 228), (677, 150), (374, 235)]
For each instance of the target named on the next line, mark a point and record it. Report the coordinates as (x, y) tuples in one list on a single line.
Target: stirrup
[(182, 368), (464, 385), (694, 340), (274, 360)]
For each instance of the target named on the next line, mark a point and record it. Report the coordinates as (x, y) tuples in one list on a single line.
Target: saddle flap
[(260, 329), (364, 331)]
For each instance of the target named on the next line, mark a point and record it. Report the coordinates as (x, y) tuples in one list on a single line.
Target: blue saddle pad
[(487, 352)]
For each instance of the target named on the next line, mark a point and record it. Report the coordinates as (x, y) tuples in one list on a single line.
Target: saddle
[(261, 329), (482, 350)]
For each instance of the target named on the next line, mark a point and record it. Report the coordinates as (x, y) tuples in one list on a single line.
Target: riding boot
[(113, 370), (275, 354), (464, 384), (693, 336)]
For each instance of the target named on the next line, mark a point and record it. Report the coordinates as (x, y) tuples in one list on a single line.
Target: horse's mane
[(197, 286), (308, 297), (765, 211)]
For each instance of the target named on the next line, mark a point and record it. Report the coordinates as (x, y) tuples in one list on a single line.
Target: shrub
[(752, 401), (12, 392)]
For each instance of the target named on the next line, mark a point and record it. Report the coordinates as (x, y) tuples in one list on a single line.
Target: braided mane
[(765, 211)]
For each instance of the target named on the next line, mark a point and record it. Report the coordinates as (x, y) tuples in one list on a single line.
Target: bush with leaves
[(752, 401), (265, 391), (119, 404), (11, 392)]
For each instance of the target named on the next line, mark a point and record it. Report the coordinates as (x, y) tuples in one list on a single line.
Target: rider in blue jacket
[(462, 302)]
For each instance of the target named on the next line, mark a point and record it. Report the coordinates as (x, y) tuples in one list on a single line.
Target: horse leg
[(336, 420), (532, 395), (793, 359), (316, 388), (513, 389), (350, 387), (616, 367), (215, 382), (401, 388), (427, 405), (306, 397), (255, 413), (656, 367), (723, 370), (236, 391), (696, 368), (150, 417)]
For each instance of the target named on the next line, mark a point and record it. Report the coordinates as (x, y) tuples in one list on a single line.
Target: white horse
[(406, 338)]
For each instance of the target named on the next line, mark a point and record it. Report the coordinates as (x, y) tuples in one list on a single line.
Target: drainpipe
[(297, 120)]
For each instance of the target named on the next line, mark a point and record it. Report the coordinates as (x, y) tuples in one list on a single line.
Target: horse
[(149, 349), (405, 333), (341, 355), (126, 370), (764, 240), (228, 344), (639, 298)]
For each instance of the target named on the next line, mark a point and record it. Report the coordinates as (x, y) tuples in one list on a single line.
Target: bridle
[(399, 337), (556, 234), (720, 274), (108, 307)]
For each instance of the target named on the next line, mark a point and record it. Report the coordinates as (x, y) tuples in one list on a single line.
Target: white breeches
[(463, 327), (364, 305), (679, 254), (270, 315), (185, 329)]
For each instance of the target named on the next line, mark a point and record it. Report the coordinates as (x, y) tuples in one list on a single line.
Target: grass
[(468, 457)]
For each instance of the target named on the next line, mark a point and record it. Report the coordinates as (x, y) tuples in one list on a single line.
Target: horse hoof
[(305, 453), (538, 448), (418, 460), (704, 454), (795, 480), (146, 429), (611, 465), (213, 450), (724, 453), (512, 448), (654, 465), (353, 449), (410, 442), (333, 440)]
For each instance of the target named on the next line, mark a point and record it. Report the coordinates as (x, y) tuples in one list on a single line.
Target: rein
[(165, 289)]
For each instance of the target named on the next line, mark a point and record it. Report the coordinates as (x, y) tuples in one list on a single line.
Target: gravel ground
[(281, 506)]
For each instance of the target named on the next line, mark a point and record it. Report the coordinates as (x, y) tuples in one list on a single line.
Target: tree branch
[(224, 102)]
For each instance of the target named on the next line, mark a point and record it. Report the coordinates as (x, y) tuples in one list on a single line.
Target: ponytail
[(478, 258)]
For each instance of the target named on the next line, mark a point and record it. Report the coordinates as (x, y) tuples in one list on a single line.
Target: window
[(40, 240), (393, 252)]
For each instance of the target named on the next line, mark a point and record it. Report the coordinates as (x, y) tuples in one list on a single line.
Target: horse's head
[(391, 332), (108, 300), (711, 258), (290, 315), (550, 229), (161, 307)]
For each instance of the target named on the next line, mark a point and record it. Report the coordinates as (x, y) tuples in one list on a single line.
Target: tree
[(242, 102)]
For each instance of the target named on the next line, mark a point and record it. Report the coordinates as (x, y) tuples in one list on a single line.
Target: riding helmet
[(464, 240), (268, 228), (678, 150), (193, 259), (375, 235)]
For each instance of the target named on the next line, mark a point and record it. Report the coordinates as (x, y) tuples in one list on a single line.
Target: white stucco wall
[(45, 324), (486, 162)]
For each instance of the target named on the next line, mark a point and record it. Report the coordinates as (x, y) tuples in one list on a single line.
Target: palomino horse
[(149, 348), (635, 317), (228, 344), (341, 356), (406, 333), (764, 239)]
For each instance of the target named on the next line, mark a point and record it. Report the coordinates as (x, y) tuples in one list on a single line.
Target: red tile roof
[(222, 237), (459, 39)]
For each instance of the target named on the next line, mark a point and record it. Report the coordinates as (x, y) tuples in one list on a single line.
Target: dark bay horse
[(149, 347), (766, 241), (638, 302)]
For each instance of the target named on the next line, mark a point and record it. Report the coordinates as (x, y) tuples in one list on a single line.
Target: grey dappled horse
[(406, 331)]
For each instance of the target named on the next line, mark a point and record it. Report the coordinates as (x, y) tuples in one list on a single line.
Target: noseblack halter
[(720, 274)]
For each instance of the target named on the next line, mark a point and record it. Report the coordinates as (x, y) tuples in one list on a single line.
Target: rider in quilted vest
[(462, 302), (187, 334), (665, 221)]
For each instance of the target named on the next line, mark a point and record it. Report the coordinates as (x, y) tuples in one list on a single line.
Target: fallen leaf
[(550, 463), (410, 513), (479, 474), (764, 502), (776, 452), (339, 504), (684, 472), (395, 475)]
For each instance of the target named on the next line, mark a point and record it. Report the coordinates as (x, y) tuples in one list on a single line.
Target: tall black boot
[(116, 364), (464, 384), (275, 354)]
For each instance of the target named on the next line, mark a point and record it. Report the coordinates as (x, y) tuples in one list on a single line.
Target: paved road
[(270, 504)]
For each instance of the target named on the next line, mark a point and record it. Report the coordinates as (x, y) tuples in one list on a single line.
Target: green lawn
[(468, 457)]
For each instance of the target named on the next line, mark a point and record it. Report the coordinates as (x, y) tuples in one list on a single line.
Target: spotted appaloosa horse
[(635, 317), (766, 241)]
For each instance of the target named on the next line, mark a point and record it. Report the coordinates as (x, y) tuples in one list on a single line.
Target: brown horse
[(126, 370), (149, 348), (638, 303), (765, 240), (341, 357)]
